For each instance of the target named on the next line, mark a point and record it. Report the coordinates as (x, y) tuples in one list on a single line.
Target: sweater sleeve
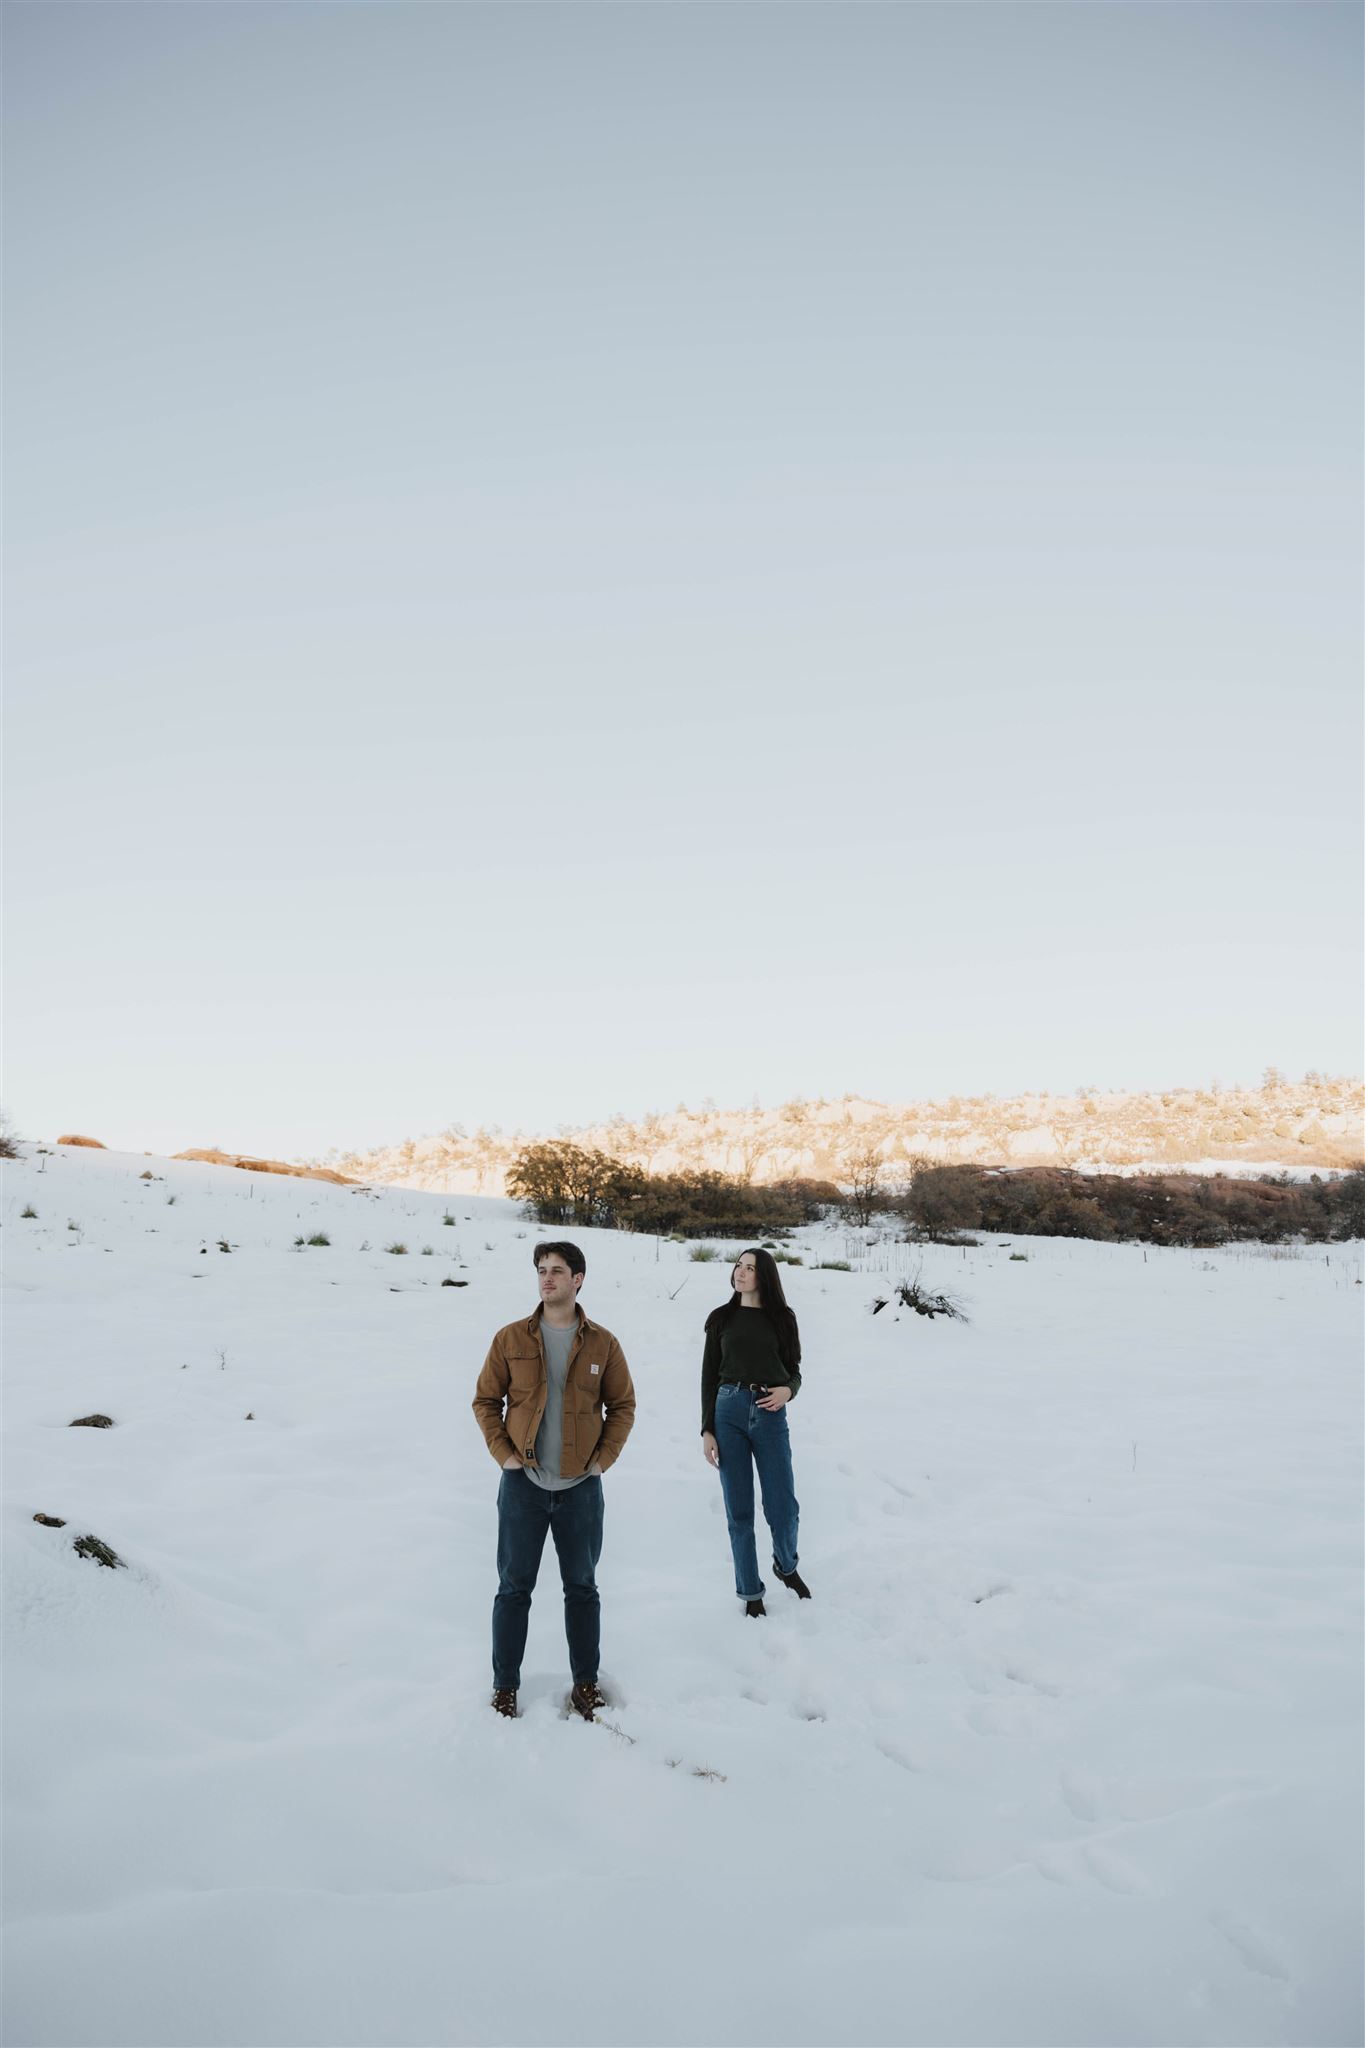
[(710, 1381)]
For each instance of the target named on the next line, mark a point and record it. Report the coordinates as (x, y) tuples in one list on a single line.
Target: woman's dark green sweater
[(742, 1350)]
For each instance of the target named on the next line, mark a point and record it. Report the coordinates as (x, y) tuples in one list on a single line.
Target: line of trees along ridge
[(566, 1184), (1175, 1209)]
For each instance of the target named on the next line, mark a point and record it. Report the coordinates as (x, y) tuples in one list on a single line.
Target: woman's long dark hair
[(772, 1302)]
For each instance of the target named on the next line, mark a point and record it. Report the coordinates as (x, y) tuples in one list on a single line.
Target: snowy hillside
[(1318, 1122), (1065, 1749)]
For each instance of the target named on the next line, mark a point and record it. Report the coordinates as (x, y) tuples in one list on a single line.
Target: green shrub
[(561, 1183), (28, 1210), (319, 1237), (702, 1254), (832, 1266), (399, 1250), (447, 1218)]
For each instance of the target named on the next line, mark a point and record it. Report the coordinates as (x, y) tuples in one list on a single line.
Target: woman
[(749, 1373)]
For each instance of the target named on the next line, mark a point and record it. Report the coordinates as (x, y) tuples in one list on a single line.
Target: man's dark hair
[(571, 1255)]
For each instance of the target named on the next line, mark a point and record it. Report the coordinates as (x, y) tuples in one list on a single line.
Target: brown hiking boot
[(585, 1699), (505, 1702), (753, 1608), (794, 1582)]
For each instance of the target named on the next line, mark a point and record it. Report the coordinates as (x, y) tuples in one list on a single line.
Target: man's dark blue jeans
[(747, 1435), (527, 1513)]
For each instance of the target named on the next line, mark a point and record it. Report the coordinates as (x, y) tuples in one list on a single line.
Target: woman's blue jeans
[(749, 1436), (527, 1514)]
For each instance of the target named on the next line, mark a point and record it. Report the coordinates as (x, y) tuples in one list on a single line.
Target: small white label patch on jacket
[(592, 1368)]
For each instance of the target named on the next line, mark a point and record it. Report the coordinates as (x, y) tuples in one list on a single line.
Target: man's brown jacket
[(599, 1400)]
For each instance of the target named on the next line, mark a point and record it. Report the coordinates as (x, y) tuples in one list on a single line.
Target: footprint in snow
[(1072, 1864), (1082, 1793), (1041, 1685), (1252, 1946), (1057, 1865), (1114, 1872)]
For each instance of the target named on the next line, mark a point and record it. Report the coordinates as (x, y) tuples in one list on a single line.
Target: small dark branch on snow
[(910, 1294)]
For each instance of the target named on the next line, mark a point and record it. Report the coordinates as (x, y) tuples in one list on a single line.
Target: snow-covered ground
[(1065, 1749)]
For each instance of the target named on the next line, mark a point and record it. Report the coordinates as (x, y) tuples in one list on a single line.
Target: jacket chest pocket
[(587, 1388), (523, 1370)]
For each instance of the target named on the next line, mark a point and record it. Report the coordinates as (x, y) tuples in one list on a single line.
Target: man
[(555, 1404)]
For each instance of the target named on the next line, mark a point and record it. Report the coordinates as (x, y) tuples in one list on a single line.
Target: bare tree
[(863, 1171), (752, 1147)]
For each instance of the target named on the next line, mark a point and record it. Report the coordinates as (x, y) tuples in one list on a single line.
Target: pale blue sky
[(566, 558)]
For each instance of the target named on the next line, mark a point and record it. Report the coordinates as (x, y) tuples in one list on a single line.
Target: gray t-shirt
[(550, 1436)]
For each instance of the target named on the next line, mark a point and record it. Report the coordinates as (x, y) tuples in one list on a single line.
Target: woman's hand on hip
[(710, 1449), (775, 1398)]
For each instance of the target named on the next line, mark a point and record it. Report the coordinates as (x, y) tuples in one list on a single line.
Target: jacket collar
[(585, 1323)]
